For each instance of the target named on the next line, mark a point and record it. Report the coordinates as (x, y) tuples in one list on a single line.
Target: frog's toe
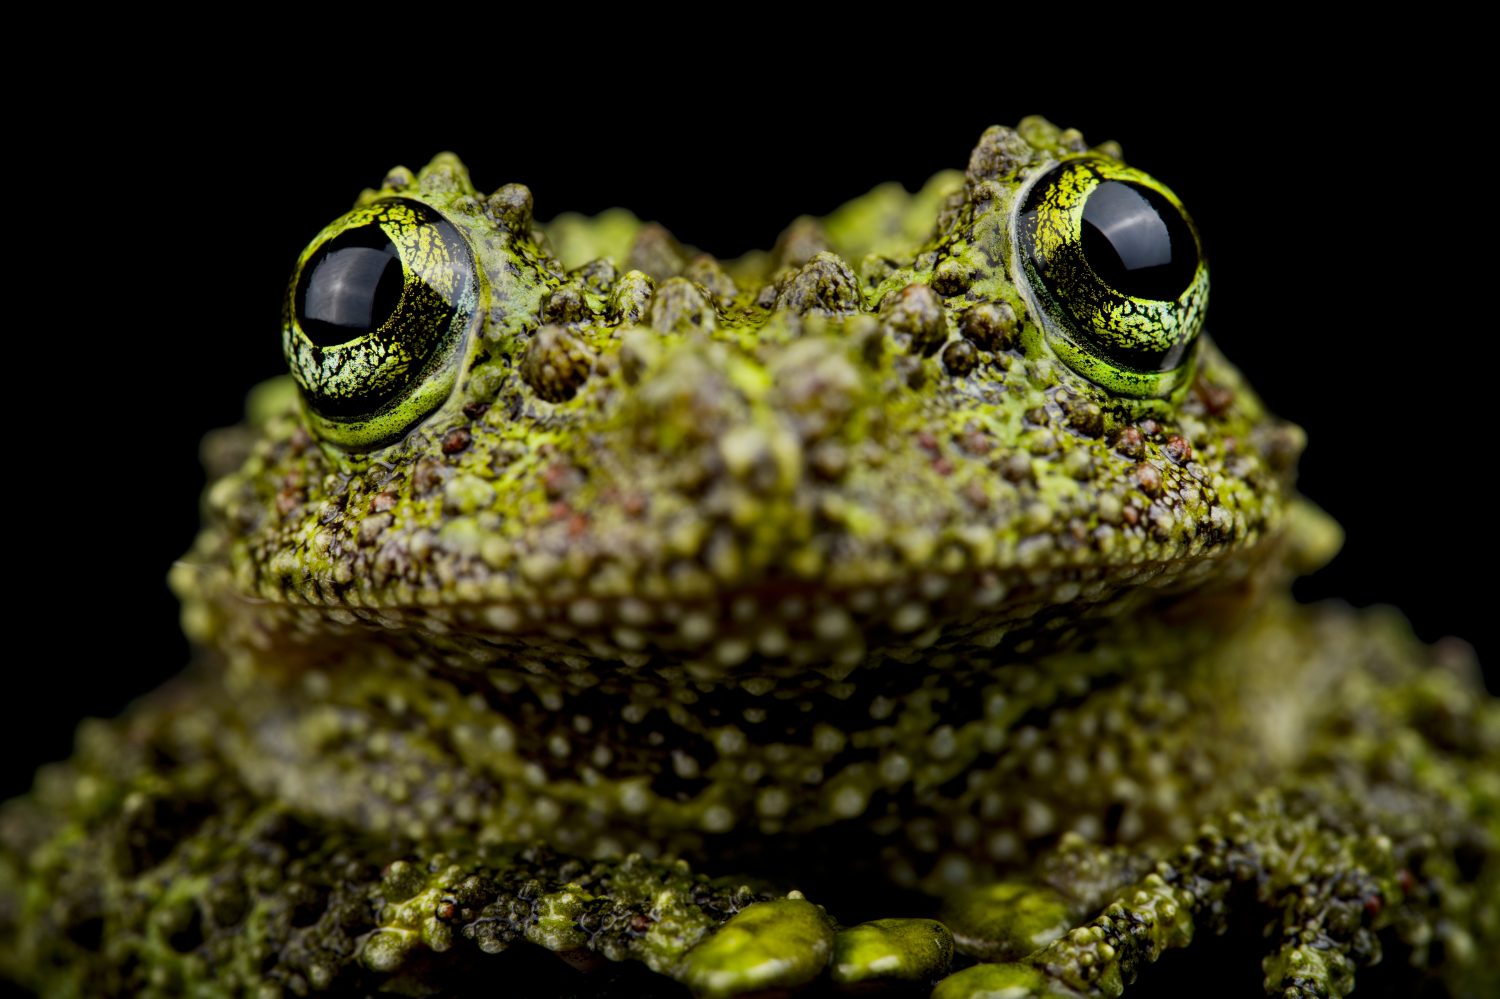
[(1323, 932), (787, 943), (1098, 958), (778, 944), (892, 950), (1008, 919), (1311, 891), (1002, 981)]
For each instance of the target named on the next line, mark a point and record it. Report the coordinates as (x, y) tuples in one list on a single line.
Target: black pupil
[(349, 287), (1137, 242)]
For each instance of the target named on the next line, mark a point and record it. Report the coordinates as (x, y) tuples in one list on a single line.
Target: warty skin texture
[(819, 571)]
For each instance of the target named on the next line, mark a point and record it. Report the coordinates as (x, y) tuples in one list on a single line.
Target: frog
[(903, 609)]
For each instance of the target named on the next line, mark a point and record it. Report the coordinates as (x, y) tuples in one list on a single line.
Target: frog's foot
[(248, 900), (717, 941), (144, 867), (791, 942), (1321, 897)]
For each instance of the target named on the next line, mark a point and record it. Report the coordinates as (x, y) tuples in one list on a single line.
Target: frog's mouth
[(790, 626)]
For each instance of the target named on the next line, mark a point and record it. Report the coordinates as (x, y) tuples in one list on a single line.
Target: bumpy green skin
[(813, 570)]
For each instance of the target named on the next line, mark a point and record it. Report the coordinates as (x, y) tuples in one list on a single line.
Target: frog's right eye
[(378, 309), (1117, 272)]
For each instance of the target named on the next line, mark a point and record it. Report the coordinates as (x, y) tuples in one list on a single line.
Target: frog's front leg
[(1382, 845), (1320, 892), (150, 864), (191, 886)]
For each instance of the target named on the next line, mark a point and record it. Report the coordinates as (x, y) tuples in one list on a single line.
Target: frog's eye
[(1117, 270), (378, 308)]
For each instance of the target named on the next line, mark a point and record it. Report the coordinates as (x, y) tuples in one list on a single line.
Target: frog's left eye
[(1117, 270), (378, 308)]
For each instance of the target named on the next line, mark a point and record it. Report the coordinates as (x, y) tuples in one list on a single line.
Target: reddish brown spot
[(578, 525), (288, 499), (1130, 442), (929, 443), (474, 410), (1148, 477), (640, 922), (942, 466), (1178, 449), (1216, 398), (975, 494), (1407, 880), (560, 478), (446, 909), (456, 440), (976, 441), (1373, 905), (634, 504), (1131, 515), (382, 501), (1149, 427)]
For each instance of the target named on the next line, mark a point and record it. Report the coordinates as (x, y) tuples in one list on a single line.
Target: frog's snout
[(760, 423)]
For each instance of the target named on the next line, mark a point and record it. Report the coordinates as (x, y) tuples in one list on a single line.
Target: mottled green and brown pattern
[(802, 620)]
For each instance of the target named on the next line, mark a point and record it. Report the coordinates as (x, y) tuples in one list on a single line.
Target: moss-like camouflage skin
[(723, 606)]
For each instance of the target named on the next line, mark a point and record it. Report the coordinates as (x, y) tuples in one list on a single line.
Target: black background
[(1336, 286)]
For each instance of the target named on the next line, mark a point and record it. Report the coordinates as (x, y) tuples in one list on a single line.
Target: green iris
[(1117, 270), (377, 311)]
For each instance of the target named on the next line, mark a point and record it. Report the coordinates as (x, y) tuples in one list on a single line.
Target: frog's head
[(928, 419)]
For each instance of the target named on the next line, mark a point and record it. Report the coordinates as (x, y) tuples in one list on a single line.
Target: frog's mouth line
[(790, 624)]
